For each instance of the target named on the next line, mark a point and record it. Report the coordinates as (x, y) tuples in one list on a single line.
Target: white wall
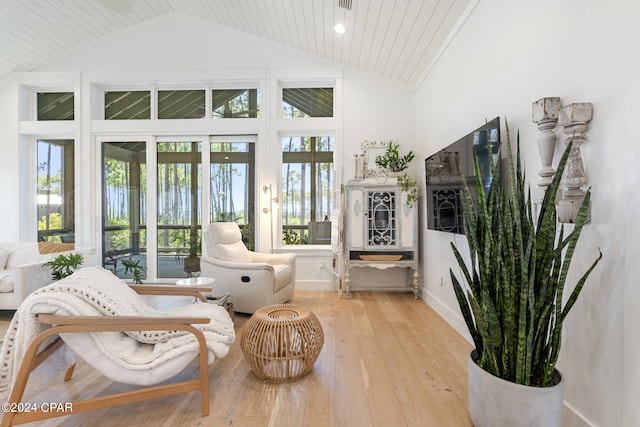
[(9, 161), (507, 55)]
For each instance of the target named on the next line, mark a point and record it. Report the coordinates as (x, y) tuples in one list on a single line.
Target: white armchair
[(253, 279)]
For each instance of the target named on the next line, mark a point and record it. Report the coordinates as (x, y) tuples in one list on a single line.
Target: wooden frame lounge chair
[(59, 329)]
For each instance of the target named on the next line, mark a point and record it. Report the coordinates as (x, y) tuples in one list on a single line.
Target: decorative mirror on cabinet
[(370, 151)]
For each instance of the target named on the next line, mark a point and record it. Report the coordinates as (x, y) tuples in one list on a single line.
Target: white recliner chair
[(253, 279)]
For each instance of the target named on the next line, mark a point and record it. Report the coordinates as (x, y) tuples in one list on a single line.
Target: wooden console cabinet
[(380, 230)]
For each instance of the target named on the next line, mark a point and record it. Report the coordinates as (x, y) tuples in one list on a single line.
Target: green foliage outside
[(55, 222), (301, 205)]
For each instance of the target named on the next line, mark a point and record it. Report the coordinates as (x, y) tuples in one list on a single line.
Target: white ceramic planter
[(496, 402)]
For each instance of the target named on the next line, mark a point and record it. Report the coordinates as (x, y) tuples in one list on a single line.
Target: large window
[(179, 208), (233, 186), (307, 183), (55, 191), (124, 176)]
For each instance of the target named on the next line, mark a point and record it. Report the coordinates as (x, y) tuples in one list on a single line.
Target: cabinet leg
[(416, 279), (347, 283)]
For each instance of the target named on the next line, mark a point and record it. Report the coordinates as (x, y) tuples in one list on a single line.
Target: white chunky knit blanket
[(142, 358)]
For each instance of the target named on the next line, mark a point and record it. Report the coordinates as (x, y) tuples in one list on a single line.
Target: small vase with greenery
[(64, 265), (512, 302), (392, 159)]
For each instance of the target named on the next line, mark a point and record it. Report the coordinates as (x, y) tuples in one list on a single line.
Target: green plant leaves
[(392, 159), (64, 265), (517, 273)]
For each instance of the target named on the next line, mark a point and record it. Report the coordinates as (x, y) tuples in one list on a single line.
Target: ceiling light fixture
[(339, 28)]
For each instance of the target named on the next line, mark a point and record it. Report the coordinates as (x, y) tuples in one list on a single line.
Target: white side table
[(196, 281), (222, 299)]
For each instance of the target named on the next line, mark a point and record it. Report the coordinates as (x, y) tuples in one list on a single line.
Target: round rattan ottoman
[(281, 342)]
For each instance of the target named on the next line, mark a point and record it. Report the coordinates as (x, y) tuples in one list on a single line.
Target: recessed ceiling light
[(339, 28)]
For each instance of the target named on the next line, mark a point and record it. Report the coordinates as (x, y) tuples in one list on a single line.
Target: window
[(307, 183), (307, 102), (127, 105), (179, 213), (181, 104), (233, 186), (55, 106), (55, 191), (236, 103), (124, 204)]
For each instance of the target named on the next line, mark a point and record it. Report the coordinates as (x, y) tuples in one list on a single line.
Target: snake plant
[(515, 279)]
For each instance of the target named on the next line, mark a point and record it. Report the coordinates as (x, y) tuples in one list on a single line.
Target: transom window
[(55, 106), (127, 105), (236, 103), (181, 104), (307, 102)]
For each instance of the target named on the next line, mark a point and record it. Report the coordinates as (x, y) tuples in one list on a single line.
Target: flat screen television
[(447, 170)]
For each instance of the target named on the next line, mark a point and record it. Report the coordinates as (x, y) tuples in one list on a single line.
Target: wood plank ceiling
[(394, 38)]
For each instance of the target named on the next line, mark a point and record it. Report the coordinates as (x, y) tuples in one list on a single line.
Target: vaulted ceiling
[(394, 38)]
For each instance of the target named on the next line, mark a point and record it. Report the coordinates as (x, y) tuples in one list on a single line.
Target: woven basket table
[(281, 342)]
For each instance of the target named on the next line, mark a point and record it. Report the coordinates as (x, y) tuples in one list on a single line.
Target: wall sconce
[(267, 189)]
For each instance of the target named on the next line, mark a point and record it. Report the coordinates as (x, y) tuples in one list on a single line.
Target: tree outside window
[(307, 184)]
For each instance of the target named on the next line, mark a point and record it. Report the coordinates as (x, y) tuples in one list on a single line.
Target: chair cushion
[(284, 276), (224, 241), (234, 252), (225, 232)]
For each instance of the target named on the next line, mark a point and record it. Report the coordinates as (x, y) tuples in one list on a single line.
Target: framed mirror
[(371, 150)]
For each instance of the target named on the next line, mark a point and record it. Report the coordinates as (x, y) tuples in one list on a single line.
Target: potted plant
[(64, 265), (133, 267), (392, 160), (512, 300), (192, 260)]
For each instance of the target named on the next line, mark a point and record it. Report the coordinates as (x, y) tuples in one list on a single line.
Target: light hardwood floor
[(387, 360)]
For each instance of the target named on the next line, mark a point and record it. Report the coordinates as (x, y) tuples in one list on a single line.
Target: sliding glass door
[(124, 201), (179, 186), (157, 193)]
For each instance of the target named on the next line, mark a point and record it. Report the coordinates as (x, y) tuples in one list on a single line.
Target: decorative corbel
[(574, 119), (544, 113)]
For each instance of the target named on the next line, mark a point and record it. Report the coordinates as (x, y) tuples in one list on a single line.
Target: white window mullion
[(206, 182), (152, 207)]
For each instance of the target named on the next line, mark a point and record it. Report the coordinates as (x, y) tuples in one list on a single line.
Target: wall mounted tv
[(448, 169)]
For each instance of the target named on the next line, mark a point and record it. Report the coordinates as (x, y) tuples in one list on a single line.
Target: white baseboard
[(315, 285), (572, 418), (447, 314)]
